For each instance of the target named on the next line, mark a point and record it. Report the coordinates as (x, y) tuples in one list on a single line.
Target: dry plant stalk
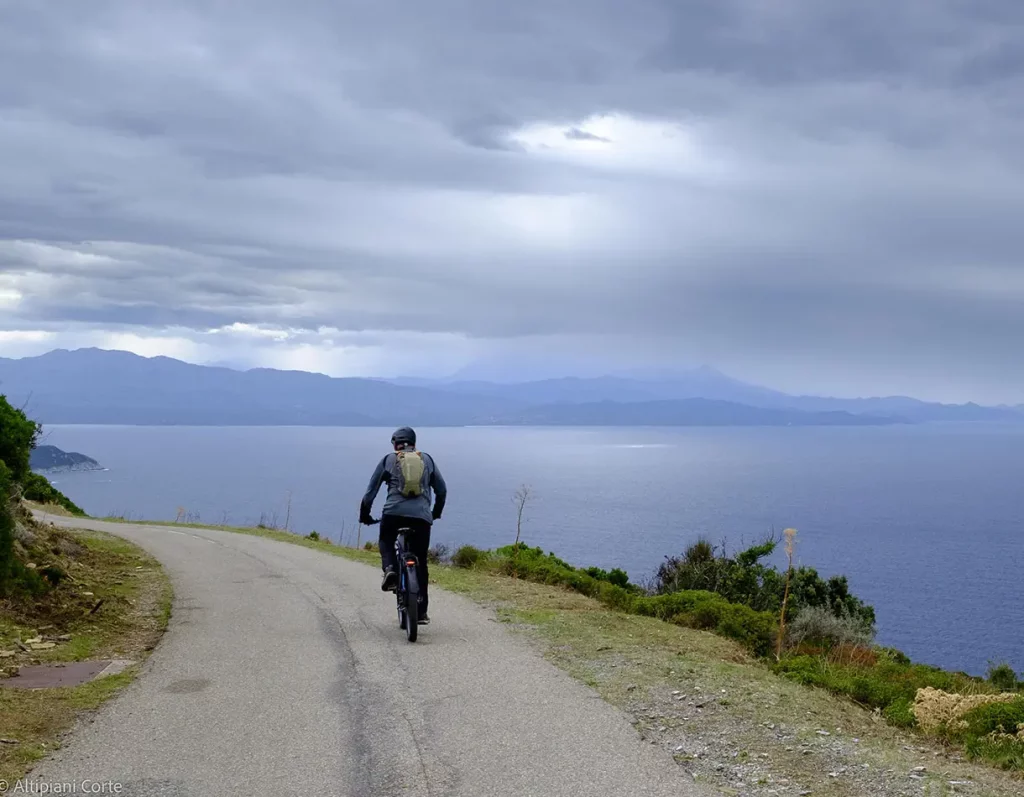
[(522, 495), (790, 534)]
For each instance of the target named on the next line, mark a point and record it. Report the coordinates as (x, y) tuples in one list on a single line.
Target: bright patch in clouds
[(621, 142), (24, 336)]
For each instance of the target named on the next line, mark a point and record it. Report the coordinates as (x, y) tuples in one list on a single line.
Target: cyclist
[(410, 475)]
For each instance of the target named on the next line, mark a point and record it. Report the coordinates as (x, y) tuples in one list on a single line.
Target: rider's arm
[(376, 481), (440, 489)]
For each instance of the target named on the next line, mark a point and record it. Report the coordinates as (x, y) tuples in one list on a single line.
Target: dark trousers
[(417, 539)]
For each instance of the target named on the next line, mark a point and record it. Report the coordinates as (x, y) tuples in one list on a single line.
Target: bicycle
[(407, 593), (408, 590)]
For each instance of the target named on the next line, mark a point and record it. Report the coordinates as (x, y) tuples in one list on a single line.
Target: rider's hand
[(366, 519), (436, 514)]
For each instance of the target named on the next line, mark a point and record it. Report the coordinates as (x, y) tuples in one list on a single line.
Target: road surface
[(283, 672)]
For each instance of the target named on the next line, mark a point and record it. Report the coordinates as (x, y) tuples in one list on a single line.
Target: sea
[(927, 522)]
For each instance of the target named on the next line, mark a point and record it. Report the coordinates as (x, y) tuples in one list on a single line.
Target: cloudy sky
[(819, 195)]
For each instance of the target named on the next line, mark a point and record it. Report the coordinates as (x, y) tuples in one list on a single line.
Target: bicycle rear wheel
[(412, 616)]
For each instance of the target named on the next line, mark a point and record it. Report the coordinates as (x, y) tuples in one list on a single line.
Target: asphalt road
[(284, 672)]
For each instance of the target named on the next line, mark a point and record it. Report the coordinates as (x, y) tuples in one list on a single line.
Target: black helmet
[(404, 436)]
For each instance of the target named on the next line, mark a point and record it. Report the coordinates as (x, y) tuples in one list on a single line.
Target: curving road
[(283, 672)]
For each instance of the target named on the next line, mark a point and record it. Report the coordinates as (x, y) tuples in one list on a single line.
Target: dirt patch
[(49, 676)]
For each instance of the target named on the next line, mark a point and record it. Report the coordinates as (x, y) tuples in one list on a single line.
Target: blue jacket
[(418, 506)]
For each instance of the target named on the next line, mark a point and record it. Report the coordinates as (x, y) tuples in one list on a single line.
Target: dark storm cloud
[(848, 182)]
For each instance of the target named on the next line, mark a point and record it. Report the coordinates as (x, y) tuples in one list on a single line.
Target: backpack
[(410, 473)]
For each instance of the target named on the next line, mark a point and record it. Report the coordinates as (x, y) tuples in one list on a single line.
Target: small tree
[(519, 499)]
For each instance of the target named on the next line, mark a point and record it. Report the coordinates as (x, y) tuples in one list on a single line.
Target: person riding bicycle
[(410, 475)]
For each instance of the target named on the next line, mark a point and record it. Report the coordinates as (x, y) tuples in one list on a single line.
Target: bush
[(709, 611), (18, 436), (468, 556), (900, 713), (994, 732), (7, 561), (818, 625), (745, 579), (1002, 677), (36, 487), (313, 535), (370, 546), (1003, 718), (438, 554), (617, 577), (15, 578)]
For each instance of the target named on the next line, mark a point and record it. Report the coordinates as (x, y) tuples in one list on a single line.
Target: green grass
[(889, 684), (994, 732)]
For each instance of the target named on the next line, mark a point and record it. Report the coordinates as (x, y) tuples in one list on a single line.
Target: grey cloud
[(323, 164)]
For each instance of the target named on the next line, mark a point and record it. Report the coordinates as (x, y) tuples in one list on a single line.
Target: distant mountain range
[(93, 386), (709, 383)]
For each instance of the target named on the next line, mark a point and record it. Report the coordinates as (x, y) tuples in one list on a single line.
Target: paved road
[(283, 672)]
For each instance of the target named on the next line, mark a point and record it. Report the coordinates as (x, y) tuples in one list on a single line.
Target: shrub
[(468, 556), (709, 611), (18, 436), (994, 732), (744, 578), (370, 546), (818, 625), (1002, 718), (900, 713), (15, 578), (617, 576), (313, 535), (36, 487), (438, 554), (7, 561), (1002, 677)]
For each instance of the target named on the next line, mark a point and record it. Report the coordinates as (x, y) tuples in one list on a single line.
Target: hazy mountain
[(709, 383), (686, 412), (97, 386)]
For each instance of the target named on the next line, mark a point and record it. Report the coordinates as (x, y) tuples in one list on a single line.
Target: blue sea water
[(926, 521)]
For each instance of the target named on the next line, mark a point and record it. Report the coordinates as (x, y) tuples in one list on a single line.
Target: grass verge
[(113, 603)]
